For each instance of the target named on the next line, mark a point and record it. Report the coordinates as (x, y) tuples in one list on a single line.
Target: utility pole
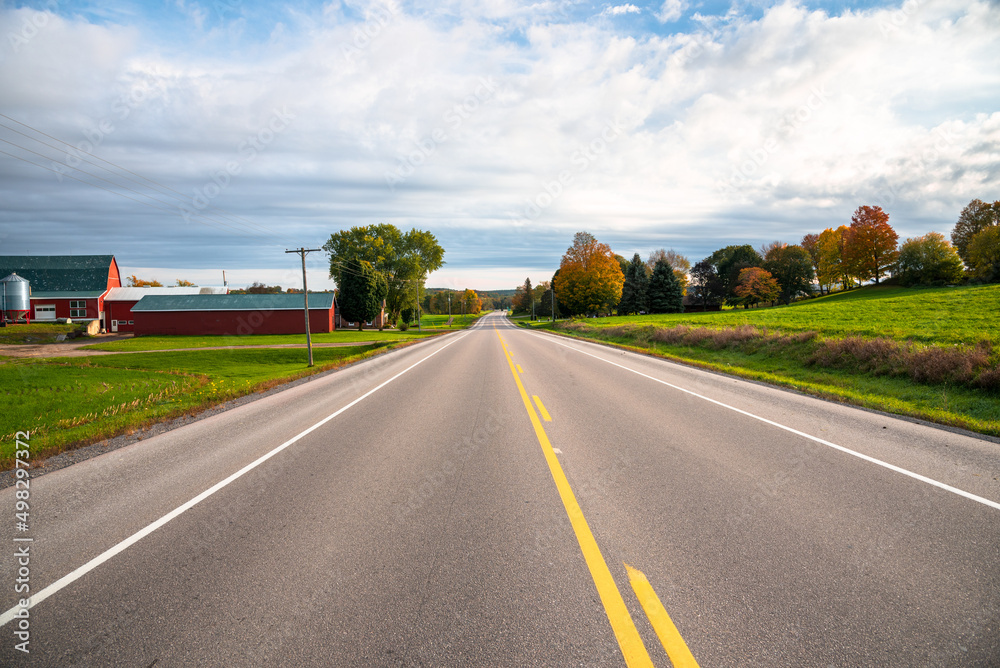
[(552, 289), (305, 294), (532, 306), (449, 310)]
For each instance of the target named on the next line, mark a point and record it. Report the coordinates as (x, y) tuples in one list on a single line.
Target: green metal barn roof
[(272, 302), (65, 294), (60, 273)]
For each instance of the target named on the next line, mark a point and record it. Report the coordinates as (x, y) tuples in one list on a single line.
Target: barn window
[(78, 313)]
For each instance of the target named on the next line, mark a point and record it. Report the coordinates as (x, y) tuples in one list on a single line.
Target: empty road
[(503, 497)]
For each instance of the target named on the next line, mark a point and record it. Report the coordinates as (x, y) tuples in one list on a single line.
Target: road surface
[(510, 498)]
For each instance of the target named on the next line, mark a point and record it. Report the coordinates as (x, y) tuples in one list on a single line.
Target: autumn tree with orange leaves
[(590, 279), (870, 244), (757, 285)]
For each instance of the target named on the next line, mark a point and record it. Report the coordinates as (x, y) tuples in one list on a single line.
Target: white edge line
[(867, 458), (75, 575)]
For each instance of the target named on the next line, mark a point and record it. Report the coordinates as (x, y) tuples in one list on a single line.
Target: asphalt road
[(419, 509)]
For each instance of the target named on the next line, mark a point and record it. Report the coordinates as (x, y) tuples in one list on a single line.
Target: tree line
[(592, 280)]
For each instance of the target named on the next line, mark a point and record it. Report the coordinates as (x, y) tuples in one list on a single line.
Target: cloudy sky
[(502, 126)]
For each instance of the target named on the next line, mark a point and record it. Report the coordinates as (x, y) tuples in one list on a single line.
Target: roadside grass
[(440, 322), (969, 408), (70, 402), (171, 342), (964, 314), (36, 332), (931, 353)]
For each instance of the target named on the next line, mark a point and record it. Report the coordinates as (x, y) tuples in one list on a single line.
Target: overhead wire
[(255, 227), (117, 185)]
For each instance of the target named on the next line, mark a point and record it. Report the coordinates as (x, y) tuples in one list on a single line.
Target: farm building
[(118, 302), (65, 286), (232, 314)]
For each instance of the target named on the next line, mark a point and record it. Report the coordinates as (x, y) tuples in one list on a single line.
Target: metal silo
[(15, 297)]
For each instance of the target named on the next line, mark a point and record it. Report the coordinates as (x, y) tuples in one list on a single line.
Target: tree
[(870, 244), (544, 308), (523, 296), (811, 243), (756, 285), (729, 262), (975, 217), (471, 303), (708, 287), (403, 259), (362, 291), (665, 292), (984, 254), (792, 267), (258, 288), (590, 279), (929, 260), (681, 265), (673, 258), (133, 282), (635, 287), (832, 268), (622, 263), (407, 315), (182, 283)]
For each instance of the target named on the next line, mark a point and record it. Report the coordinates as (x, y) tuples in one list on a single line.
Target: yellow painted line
[(541, 408), (614, 605), (519, 369), (669, 636)]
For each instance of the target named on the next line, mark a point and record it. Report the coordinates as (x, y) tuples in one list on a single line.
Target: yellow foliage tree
[(590, 279)]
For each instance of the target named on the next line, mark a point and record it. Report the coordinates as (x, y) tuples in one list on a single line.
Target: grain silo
[(15, 299)]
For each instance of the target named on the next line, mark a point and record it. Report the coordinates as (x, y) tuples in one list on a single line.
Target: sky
[(191, 138)]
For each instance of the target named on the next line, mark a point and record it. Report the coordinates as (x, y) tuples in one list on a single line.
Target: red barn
[(232, 314), (118, 302), (65, 286)]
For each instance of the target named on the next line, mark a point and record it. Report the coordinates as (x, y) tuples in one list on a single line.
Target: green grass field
[(66, 402), (922, 321), (45, 332), (928, 315), (440, 322), (173, 342)]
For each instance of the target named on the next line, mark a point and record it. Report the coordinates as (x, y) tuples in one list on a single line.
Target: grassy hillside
[(929, 315), (931, 353)]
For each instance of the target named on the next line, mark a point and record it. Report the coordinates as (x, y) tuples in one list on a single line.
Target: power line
[(117, 185), (259, 229)]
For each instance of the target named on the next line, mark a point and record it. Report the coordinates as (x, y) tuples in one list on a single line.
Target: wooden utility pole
[(305, 294)]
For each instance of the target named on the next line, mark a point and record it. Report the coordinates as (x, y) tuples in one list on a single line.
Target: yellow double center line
[(621, 621)]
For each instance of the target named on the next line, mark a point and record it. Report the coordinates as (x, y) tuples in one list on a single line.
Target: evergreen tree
[(634, 291), (665, 292)]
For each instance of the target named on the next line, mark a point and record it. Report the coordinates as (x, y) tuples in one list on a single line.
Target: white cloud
[(620, 10), (671, 10)]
